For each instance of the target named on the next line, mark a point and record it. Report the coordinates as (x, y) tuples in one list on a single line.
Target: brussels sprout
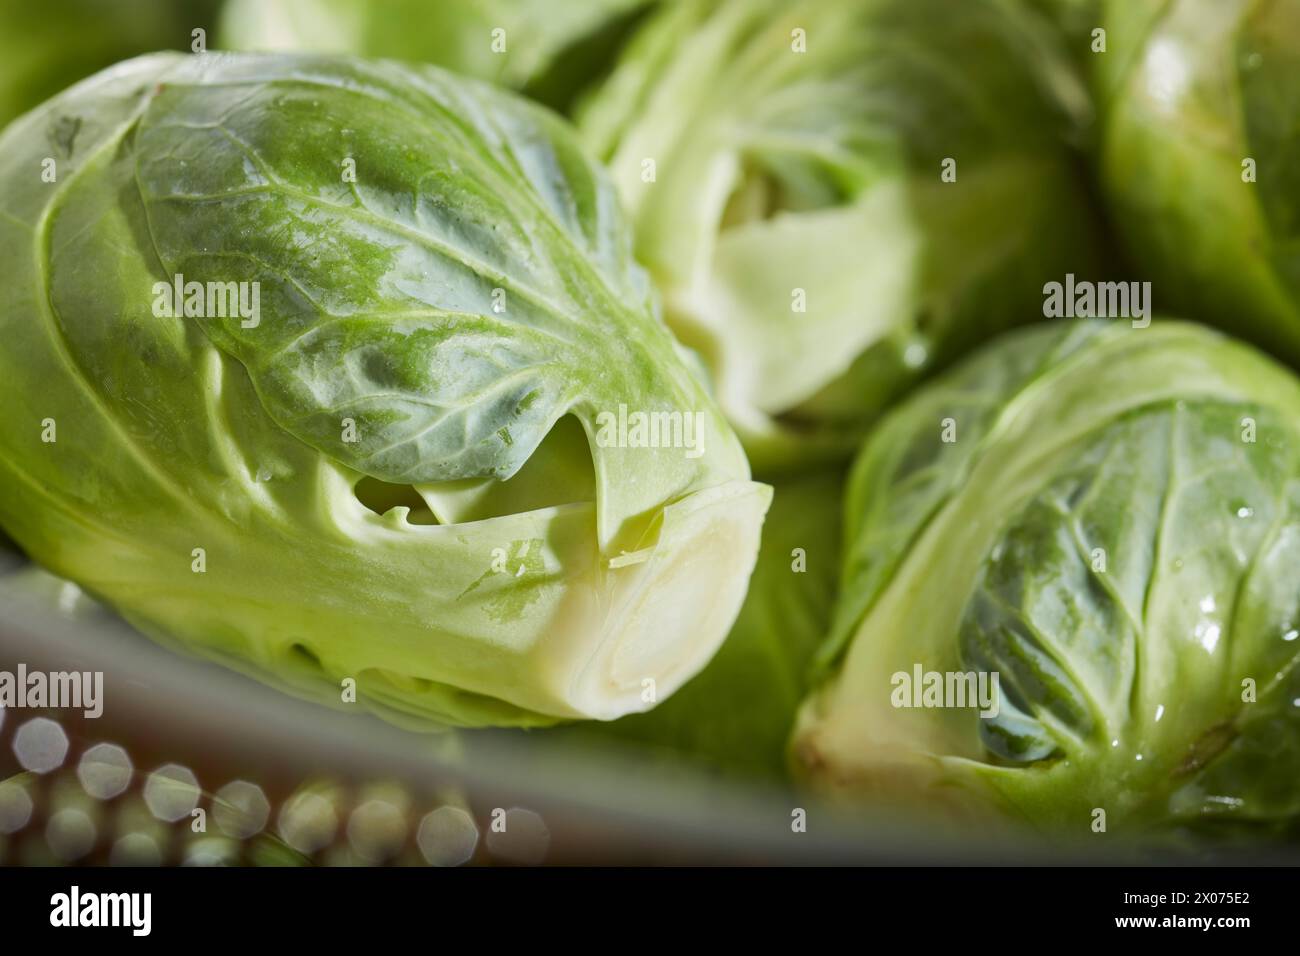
[(550, 48), (441, 454), (47, 47), (836, 197), (1107, 520), (737, 714), (1201, 157)]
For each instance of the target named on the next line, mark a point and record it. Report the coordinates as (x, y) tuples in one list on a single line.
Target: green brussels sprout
[(342, 372), (548, 48), (1200, 103), (1101, 525), (836, 197), (737, 714), (45, 48)]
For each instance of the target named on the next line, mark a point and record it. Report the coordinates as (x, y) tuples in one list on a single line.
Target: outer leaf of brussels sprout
[(736, 714), (1121, 675), (542, 44), (796, 216), (516, 568), (1191, 91)]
